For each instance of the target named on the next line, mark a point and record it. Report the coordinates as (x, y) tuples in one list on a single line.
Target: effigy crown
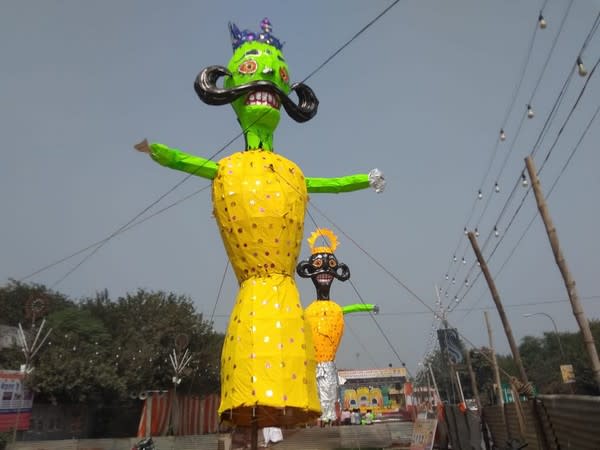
[(239, 37), (326, 235)]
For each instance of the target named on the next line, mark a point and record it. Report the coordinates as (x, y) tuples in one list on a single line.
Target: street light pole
[(29, 349), (584, 325), (560, 347)]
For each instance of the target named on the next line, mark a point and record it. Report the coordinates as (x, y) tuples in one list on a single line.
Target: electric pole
[(496, 297), (582, 321)]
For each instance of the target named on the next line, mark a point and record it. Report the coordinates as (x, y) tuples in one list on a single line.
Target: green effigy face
[(258, 110)]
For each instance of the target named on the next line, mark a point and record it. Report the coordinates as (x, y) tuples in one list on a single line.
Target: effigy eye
[(248, 67), (284, 75)]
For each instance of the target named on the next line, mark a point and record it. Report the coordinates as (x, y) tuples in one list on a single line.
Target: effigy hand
[(143, 146), (376, 180)]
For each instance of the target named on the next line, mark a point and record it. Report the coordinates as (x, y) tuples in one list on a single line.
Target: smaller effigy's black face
[(322, 268)]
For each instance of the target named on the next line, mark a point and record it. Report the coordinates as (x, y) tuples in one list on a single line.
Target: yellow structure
[(268, 357)]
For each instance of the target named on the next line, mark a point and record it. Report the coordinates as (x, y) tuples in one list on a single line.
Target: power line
[(512, 102), (387, 339), (349, 41), (375, 260), (500, 138), (212, 314), (550, 117), (101, 243), (590, 34), (569, 115), (542, 133), (560, 28), (66, 258), (562, 171)]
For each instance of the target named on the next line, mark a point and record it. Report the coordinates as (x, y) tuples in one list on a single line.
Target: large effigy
[(259, 201)]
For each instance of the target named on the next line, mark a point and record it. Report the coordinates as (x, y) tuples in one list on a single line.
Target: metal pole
[(254, 434), (429, 396), (473, 382), (149, 415), (562, 353), (560, 347), (19, 408), (437, 392), (449, 364), (453, 382), (584, 326), (496, 297), (29, 351), (460, 390), (494, 361), (174, 411)]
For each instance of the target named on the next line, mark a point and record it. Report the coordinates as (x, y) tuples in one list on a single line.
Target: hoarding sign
[(567, 372), (423, 434), (450, 344), (15, 401)]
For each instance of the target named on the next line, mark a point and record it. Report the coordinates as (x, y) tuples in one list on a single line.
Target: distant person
[(369, 417), (356, 418), (346, 417)]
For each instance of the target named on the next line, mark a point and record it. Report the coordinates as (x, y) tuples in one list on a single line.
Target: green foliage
[(145, 326), (102, 351), (17, 299), (11, 358), (542, 358), (442, 374), (74, 366), (5, 438)]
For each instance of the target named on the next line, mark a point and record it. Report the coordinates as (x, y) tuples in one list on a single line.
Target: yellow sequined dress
[(268, 364)]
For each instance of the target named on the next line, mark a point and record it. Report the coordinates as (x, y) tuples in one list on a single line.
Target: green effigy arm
[(359, 307), (178, 160), (335, 185)]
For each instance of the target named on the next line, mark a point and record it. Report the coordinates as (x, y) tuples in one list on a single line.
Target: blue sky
[(421, 95)]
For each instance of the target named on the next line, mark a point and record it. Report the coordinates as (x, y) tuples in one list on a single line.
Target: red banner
[(192, 415), (15, 401)]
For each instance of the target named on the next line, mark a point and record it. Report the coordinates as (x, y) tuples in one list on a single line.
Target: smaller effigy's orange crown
[(326, 235)]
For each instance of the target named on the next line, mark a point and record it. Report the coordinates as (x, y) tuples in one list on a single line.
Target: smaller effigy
[(325, 317)]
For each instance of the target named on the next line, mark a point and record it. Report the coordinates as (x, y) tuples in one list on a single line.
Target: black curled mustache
[(208, 91)]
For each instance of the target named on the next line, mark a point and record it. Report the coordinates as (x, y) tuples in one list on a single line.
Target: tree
[(145, 328), (102, 351), (441, 372), (542, 358), (28, 303), (75, 366)]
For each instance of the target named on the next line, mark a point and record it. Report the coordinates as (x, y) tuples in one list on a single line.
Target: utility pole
[(453, 380), (437, 391), (473, 381), (494, 362), (179, 365), (496, 297), (29, 349), (496, 372), (582, 321), (430, 397)]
